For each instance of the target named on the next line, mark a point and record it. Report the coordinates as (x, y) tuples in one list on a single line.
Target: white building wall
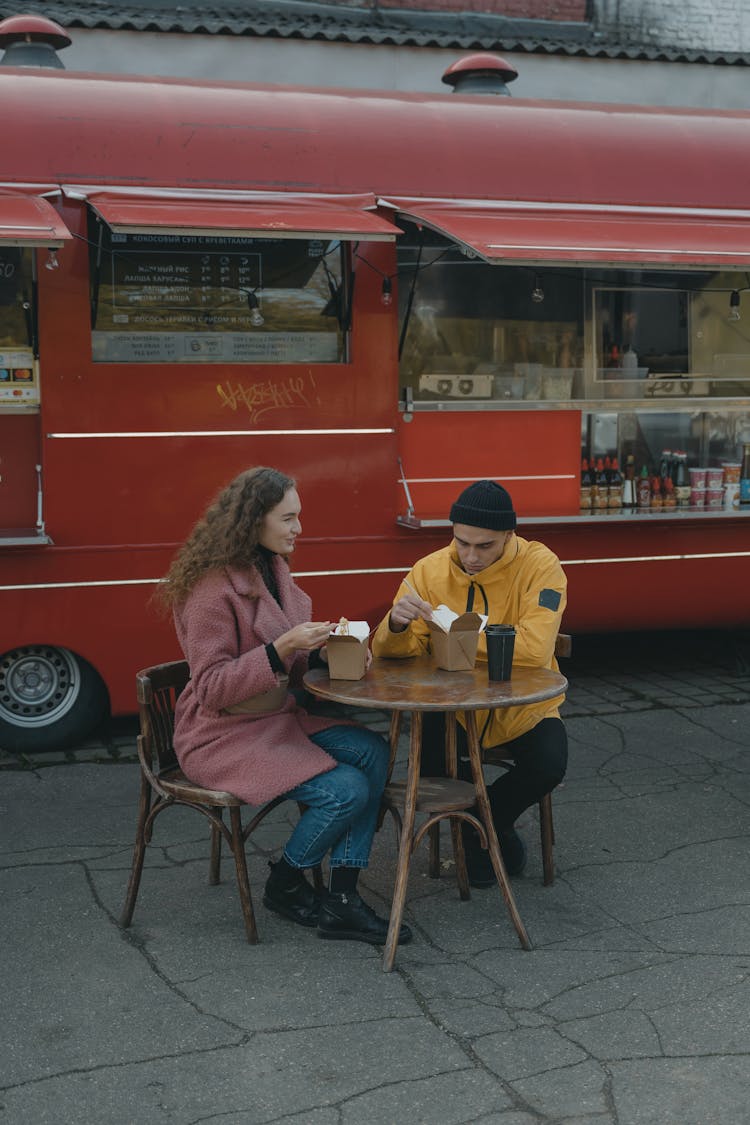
[(296, 62), (706, 25)]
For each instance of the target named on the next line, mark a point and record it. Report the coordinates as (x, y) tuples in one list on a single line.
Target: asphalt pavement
[(631, 1009)]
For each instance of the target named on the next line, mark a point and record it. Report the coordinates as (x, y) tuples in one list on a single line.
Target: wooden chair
[(494, 756), (436, 798), (427, 803), (163, 784)]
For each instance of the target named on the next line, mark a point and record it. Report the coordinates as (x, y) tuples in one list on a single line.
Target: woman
[(245, 629)]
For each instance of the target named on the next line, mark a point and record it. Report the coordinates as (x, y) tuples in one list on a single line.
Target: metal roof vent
[(480, 74), (32, 41)]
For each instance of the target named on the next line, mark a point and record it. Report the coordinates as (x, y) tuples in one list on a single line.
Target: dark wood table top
[(416, 684)]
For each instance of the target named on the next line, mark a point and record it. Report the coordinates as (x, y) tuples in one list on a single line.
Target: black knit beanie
[(484, 504)]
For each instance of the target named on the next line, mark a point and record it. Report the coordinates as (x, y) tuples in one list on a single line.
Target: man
[(491, 570)]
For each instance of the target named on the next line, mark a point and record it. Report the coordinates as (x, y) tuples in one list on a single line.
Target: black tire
[(50, 699)]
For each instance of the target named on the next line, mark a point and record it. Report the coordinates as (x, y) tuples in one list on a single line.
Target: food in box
[(454, 638), (347, 648)]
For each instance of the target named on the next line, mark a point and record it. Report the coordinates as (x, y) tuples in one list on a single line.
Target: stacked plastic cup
[(697, 487)]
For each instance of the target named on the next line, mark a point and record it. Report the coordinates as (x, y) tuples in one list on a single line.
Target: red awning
[(256, 216), (542, 233), (28, 220)]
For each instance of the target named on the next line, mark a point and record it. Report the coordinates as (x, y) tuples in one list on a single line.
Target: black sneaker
[(478, 863), (513, 849), (479, 867), (347, 917), (296, 901)]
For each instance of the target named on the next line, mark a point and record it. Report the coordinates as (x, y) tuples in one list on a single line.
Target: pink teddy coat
[(223, 627)]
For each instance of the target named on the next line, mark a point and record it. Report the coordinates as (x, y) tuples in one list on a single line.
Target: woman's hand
[(302, 638), (408, 609)]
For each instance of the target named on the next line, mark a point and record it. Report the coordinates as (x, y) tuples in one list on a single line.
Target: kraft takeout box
[(454, 638), (347, 650)]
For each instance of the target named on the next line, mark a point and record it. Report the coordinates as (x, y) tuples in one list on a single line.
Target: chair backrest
[(158, 690)]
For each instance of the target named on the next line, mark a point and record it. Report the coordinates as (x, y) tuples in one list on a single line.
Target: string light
[(386, 284), (52, 262), (537, 293)]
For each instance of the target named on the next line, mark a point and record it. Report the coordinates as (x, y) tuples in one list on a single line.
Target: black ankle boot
[(291, 896), (347, 917)]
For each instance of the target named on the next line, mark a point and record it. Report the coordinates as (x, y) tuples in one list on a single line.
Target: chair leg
[(451, 769), (546, 825), (459, 857), (396, 818), (243, 883), (393, 737), (214, 869), (434, 866), (139, 852)]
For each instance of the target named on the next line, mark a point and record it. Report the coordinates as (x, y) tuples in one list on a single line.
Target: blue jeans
[(343, 804)]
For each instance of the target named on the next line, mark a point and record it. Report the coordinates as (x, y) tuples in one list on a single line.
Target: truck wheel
[(49, 699)]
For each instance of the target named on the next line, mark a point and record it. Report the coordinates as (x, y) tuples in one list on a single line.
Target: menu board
[(190, 299), (182, 280)]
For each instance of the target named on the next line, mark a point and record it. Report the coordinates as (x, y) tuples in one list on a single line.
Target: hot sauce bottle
[(643, 494), (669, 500), (614, 493), (600, 498), (585, 486), (656, 498)]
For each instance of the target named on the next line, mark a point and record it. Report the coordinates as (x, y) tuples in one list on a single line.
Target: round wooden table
[(416, 685)]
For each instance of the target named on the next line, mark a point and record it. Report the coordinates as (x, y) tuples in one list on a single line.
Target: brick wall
[(573, 10), (710, 25)]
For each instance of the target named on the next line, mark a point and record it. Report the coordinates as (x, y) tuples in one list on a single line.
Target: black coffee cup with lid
[(501, 640)]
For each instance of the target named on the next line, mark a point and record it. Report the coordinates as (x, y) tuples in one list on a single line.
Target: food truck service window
[(473, 331), (176, 298)]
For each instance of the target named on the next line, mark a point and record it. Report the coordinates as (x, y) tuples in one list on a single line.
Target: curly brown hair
[(227, 535)]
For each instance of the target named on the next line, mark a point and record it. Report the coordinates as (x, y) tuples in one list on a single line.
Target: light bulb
[(386, 292), (52, 262), (734, 306), (537, 293)]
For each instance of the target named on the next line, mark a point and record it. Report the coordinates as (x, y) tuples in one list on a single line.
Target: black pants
[(540, 756)]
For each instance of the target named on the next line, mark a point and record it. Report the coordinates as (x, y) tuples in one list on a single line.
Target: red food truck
[(385, 295)]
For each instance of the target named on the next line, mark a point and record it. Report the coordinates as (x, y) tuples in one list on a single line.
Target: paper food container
[(454, 638), (347, 650)]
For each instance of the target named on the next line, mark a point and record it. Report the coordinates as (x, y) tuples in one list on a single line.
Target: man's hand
[(407, 609)]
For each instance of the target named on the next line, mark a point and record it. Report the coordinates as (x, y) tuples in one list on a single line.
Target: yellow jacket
[(526, 588)]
